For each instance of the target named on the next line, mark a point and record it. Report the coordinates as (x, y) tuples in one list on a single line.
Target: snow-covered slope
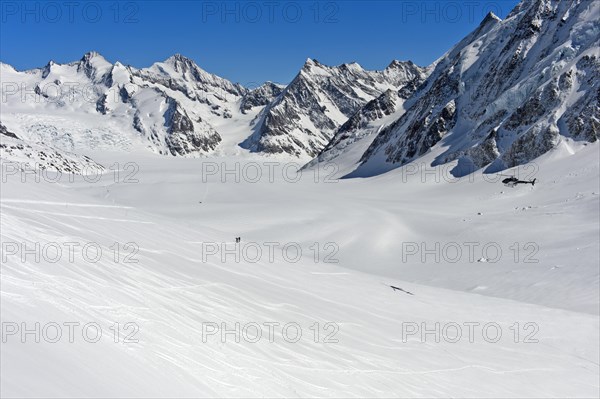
[(411, 283), (504, 95), (154, 272), (34, 159), (304, 118)]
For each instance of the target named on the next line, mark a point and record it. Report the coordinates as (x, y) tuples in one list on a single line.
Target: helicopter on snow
[(513, 181)]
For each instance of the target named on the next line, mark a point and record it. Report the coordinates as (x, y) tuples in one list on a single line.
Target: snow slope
[(120, 276), (175, 287), (19, 157)]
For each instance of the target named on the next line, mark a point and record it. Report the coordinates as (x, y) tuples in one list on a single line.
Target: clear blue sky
[(246, 42)]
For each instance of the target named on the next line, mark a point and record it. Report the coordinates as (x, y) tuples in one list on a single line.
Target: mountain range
[(507, 93)]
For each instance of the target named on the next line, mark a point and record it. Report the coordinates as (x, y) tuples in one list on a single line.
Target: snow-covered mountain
[(504, 95), (171, 107), (354, 136), (304, 118), (412, 283), (174, 107)]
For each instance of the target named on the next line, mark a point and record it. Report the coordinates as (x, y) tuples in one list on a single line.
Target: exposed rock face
[(305, 116), (182, 138), (507, 93), (375, 109), (364, 124), (260, 96), (583, 118), (4, 131)]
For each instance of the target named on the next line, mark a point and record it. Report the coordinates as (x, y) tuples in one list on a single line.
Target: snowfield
[(166, 232), (149, 308)]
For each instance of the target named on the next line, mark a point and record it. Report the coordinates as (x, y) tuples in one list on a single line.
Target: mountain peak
[(47, 69), (179, 58), (400, 64), (352, 66), (90, 55), (489, 21), (91, 59), (309, 64), (93, 65), (181, 63), (491, 17), (312, 67)]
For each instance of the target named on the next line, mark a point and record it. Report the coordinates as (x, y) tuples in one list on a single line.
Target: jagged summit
[(94, 65), (491, 17), (183, 64), (397, 64), (179, 59), (311, 65), (91, 54), (352, 67)]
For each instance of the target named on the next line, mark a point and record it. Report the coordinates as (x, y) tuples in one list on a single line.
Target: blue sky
[(245, 41)]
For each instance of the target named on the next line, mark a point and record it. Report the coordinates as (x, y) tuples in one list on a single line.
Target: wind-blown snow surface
[(170, 292)]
